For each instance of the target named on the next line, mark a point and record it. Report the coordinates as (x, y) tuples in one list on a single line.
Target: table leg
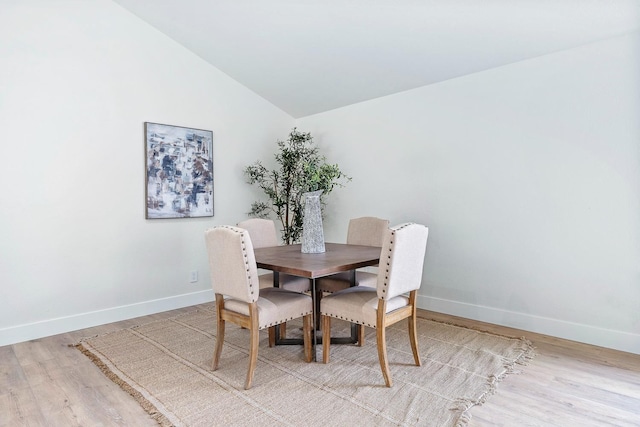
[(354, 327), (316, 317), (316, 321), (353, 339)]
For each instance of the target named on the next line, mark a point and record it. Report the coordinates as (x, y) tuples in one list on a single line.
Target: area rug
[(165, 366)]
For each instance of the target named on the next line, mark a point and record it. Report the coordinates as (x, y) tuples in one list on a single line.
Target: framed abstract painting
[(179, 171)]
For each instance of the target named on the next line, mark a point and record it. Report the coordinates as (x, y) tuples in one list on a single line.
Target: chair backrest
[(232, 263), (401, 260), (367, 231), (262, 231)]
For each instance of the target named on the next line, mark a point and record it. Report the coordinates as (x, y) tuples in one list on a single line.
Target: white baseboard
[(617, 340), (61, 325)]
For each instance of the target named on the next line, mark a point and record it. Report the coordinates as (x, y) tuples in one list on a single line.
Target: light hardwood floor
[(46, 382)]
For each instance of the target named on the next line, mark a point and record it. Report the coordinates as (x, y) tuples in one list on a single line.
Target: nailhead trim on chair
[(243, 234), (285, 320), (385, 284), (338, 316)]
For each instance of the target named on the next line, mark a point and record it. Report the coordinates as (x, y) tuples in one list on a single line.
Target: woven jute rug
[(165, 366)]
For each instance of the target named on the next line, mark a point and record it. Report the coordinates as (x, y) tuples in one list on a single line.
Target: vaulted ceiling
[(310, 56)]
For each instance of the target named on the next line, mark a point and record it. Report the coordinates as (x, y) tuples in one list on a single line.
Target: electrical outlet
[(194, 276)]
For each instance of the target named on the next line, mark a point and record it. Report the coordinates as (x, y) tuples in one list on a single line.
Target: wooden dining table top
[(336, 258)]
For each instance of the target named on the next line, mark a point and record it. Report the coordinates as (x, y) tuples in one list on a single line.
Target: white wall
[(77, 81), (528, 176)]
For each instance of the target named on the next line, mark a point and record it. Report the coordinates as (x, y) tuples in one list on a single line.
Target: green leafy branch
[(301, 169)]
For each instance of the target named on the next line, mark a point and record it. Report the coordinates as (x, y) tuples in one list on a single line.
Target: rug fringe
[(463, 420), (149, 407), (463, 405), (528, 352)]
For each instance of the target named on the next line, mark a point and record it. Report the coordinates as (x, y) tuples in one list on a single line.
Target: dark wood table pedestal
[(336, 258)]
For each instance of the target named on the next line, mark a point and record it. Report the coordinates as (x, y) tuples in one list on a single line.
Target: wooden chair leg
[(253, 344), (413, 338), (219, 341), (381, 339), (326, 337), (272, 336), (306, 336), (382, 355), (219, 332), (360, 335)]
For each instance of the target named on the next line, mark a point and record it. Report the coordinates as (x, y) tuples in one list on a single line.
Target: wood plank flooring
[(45, 382)]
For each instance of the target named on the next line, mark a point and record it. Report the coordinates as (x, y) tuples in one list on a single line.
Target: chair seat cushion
[(275, 306), (287, 281), (337, 282), (358, 305)]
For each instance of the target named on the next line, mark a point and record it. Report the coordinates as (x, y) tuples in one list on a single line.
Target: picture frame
[(179, 171)]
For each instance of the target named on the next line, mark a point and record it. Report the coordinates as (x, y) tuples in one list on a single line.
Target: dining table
[(337, 257)]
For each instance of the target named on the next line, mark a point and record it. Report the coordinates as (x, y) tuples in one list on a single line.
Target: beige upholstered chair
[(263, 234), (234, 277), (365, 231), (400, 272)]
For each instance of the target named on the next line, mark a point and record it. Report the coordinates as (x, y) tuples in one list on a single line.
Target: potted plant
[(301, 169)]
